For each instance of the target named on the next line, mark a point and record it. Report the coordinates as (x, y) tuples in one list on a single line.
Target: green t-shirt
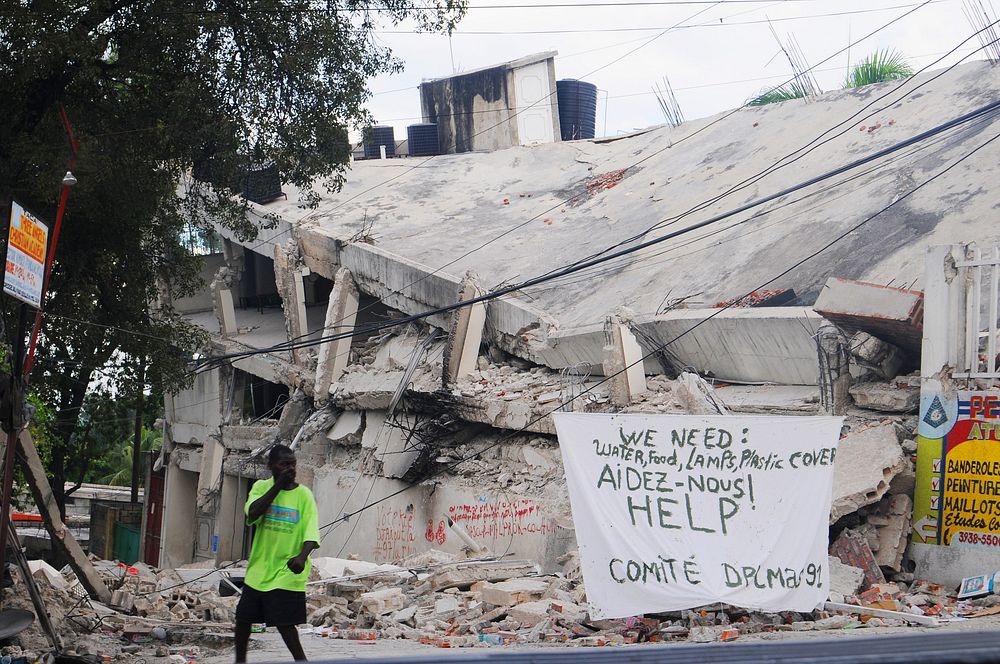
[(289, 522)]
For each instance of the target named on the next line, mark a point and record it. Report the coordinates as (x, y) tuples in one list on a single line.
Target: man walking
[(274, 591)]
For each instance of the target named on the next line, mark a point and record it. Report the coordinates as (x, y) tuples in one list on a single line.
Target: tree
[(120, 470), (774, 95), (879, 67), (155, 90)]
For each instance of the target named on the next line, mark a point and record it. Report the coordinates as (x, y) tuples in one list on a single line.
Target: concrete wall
[(196, 413), (479, 110), (517, 525), (179, 501), (202, 300), (472, 111)]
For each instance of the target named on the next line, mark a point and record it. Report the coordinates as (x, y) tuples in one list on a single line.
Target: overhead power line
[(709, 24), (794, 155)]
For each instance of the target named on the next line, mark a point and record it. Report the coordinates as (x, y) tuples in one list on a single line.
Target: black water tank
[(577, 108), (377, 136), (422, 140), (262, 183)]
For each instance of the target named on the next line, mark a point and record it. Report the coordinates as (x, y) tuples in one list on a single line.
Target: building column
[(623, 362), (288, 275), (341, 316), (466, 333)]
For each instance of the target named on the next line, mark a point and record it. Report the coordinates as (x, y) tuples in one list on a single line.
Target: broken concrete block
[(906, 481), (892, 397), (380, 602), (697, 397), (894, 315), (894, 535), (514, 591), (867, 460), (878, 356), (405, 615), (463, 576), (706, 633), (445, 607), (529, 613), (844, 579), (347, 429)]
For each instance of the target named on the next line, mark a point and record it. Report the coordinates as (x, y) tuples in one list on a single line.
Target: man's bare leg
[(242, 639), (291, 637)]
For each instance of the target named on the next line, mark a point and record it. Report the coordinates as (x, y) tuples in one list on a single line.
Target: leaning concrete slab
[(894, 315), (62, 538), (866, 463), (766, 345)]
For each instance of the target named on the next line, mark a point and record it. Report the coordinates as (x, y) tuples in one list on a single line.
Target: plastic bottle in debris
[(257, 628), (491, 639)]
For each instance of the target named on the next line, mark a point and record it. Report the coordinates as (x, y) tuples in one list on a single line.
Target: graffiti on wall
[(394, 536), (957, 497), (488, 520), (397, 537)]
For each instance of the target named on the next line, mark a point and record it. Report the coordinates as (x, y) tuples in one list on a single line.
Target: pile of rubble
[(472, 603), (438, 600), (154, 615)]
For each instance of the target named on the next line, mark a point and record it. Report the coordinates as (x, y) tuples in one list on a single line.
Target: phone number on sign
[(984, 539)]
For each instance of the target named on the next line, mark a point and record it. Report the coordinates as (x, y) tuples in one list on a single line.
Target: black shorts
[(274, 607)]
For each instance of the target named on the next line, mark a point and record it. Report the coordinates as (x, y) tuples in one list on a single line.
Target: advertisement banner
[(27, 242), (957, 496), (678, 511)]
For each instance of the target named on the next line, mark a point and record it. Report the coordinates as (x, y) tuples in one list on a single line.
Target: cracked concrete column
[(465, 334), (225, 311), (288, 275), (227, 277), (834, 369), (623, 362), (341, 315)]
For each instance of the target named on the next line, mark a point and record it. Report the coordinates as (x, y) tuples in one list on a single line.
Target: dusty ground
[(269, 648)]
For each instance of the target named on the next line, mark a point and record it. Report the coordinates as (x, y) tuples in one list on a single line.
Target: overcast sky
[(728, 55)]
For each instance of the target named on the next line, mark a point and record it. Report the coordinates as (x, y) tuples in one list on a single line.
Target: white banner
[(679, 511)]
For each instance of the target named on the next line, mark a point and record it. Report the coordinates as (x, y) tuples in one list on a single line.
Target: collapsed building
[(436, 433)]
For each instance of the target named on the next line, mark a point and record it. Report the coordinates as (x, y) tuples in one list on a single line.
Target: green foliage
[(120, 464), (879, 67), (774, 95), (155, 91)]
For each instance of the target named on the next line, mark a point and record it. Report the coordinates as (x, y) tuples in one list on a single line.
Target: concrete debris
[(894, 315), (877, 356), (845, 580), (897, 396), (476, 603), (515, 591), (697, 396), (867, 461), (893, 531)]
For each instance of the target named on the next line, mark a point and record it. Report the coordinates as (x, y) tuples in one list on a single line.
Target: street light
[(68, 181)]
